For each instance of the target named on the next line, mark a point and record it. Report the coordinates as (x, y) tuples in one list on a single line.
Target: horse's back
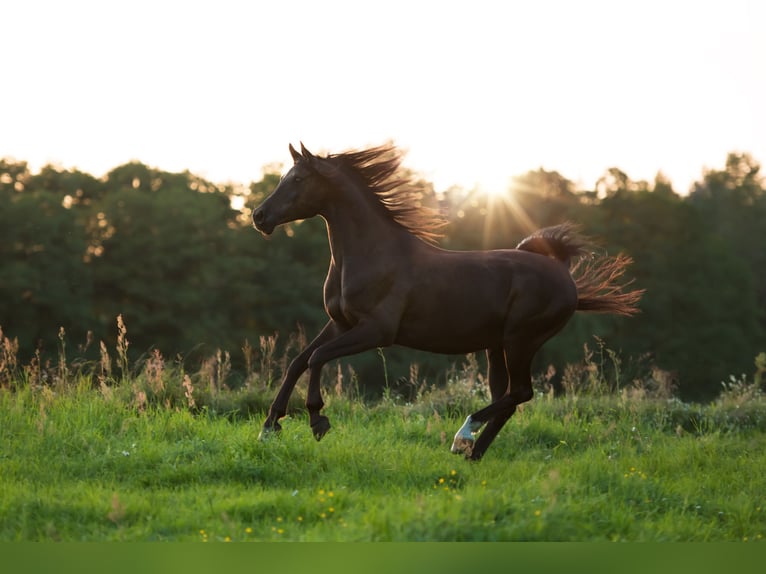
[(498, 275)]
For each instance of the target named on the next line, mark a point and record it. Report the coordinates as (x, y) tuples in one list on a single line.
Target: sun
[(495, 189), (503, 210)]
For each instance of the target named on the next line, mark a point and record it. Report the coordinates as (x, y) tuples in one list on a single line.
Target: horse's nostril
[(258, 217)]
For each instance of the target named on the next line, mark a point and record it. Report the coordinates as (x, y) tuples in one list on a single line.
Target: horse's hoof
[(320, 427), (464, 440), (462, 445), (269, 431)]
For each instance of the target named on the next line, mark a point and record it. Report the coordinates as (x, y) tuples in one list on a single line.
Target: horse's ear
[(306, 153), (296, 156), (318, 163)]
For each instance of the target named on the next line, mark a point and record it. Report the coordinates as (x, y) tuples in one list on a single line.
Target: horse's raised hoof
[(269, 431), (320, 427)]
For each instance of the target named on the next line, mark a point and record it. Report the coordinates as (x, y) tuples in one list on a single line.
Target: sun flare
[(495, 189), (503, 210)]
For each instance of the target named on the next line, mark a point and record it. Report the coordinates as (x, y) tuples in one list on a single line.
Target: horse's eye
[(298, 179)]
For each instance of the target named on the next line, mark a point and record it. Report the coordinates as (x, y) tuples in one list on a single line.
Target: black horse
[(389, 284)]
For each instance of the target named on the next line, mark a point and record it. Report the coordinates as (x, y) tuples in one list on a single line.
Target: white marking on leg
[(463, 441)]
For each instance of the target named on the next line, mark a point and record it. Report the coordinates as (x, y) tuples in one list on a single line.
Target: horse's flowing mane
[(379, 170)]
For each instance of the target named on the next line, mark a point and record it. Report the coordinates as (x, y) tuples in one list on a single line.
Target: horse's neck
[(361, 229)]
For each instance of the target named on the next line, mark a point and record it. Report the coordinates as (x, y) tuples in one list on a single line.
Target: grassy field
[(134, 460)]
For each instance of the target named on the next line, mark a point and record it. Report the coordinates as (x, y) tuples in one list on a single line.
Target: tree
[(732, 203), (699, 311), (159, 259), (44, 282)]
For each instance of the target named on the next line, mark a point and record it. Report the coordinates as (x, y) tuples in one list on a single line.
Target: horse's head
[(301, 193)]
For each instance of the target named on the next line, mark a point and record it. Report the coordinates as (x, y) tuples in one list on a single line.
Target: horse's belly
[(451, 331)]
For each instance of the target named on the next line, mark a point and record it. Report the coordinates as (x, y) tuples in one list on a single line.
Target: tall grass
[(151, 451)]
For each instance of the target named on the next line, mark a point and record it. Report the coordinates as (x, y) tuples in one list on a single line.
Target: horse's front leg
[(361, 337), (320, 424), (297, 367)]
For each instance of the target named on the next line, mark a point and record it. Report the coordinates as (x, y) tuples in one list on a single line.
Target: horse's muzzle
[(261, 222)]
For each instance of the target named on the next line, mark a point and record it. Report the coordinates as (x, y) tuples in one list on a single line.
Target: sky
[(475, 92)]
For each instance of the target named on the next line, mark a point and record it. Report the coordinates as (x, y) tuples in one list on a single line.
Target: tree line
[(170, 254)]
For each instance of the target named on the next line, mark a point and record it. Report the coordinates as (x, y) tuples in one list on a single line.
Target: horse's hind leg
[(518, 363), (499, 382), (489, 433), (498, 388)]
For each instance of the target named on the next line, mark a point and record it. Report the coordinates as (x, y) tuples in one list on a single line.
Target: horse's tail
[(562, 242), (596, 276), (598, 287)]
